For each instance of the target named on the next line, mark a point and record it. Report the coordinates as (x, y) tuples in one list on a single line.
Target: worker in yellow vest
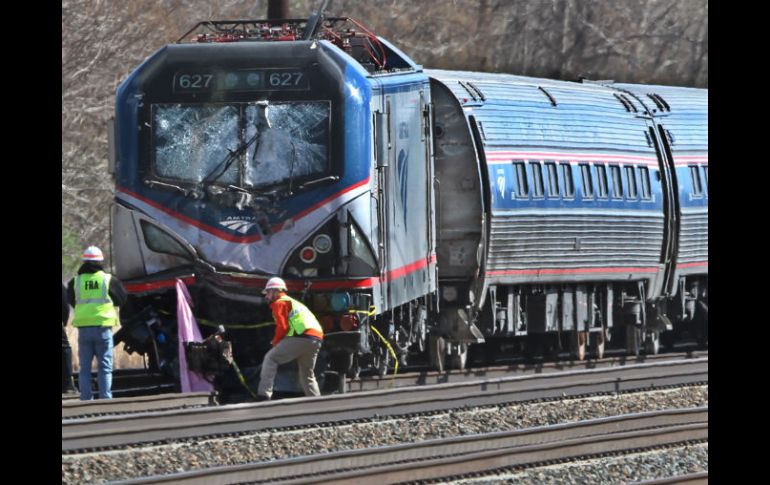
[(298, 336), (95, 295)]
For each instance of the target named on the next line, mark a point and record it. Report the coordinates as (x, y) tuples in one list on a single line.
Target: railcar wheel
[(633, 339), (597, 343), (579, 340), (652, 343), (459, 356), (436, 352)]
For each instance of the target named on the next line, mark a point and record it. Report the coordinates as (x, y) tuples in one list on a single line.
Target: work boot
[(67, 382), (69, 387)]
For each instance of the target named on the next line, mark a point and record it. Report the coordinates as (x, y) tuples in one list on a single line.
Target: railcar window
[(588, 184), (631, 182), (522, 187), (553, 179), (260, 144), (601, 181), (617, 182), (537, 179), (697, 188), (569, 184), (644, 177)]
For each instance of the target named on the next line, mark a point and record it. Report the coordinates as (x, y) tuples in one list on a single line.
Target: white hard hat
[(274, 283), (92, 253)]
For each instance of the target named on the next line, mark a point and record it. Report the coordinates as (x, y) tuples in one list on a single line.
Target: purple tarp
[(188, 332)]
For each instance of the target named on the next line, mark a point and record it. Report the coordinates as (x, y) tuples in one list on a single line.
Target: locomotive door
[(383, 150)]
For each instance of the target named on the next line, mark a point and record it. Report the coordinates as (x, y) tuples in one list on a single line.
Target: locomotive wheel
[(652, 343), (459, 356), (421, 328), (380, 360), (436, 352), (597, 343), (579, 340), (354, 368), (384, 363), (633, 339)]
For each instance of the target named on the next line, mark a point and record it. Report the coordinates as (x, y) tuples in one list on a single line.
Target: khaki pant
[(304, 350)]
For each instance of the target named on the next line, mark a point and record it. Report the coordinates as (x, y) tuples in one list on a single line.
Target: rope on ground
[(242, 379)]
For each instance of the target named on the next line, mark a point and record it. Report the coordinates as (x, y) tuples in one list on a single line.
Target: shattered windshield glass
[(190, 141), (289, 141)]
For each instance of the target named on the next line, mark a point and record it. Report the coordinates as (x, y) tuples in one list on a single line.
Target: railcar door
[(670, 205)]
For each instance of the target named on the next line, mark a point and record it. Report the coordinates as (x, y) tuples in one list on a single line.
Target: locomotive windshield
[(253, 145)]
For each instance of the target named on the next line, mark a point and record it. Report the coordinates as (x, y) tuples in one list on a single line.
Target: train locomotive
[(417, 212)]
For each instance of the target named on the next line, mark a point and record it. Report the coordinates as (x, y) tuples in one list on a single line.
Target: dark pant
[(66, 363)]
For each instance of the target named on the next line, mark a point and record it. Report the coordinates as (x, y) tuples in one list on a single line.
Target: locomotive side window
[(617, 182), (697, 188), (706, 176), (537, 179), (588, 185), (361, 261), (522, 187), (161, 242), (569, 184), (631, 182), (644, 177), (553, 179), (601, 181)]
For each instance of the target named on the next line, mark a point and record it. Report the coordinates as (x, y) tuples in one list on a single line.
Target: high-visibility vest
[(93, 305), (300, 318)]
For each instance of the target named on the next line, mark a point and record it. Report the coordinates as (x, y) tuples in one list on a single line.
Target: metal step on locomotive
[(416, 212)]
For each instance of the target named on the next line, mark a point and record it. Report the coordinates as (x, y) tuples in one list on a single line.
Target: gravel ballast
[(650, 465), (264, 446)]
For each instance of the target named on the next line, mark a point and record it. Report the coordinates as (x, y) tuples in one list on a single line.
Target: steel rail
[(72, 409), (421, 378), (124, 430), (463, 454)]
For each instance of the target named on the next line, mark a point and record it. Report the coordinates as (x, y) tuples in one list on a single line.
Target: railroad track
[(133, 382), (71, 409), (701, 478), (161, 426), (520, 368), (463, 455)]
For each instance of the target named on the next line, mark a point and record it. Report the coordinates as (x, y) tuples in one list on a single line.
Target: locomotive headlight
[(340, 302), (322, 243), (307, 255)]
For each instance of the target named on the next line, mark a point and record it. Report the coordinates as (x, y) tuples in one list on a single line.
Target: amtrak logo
[(501, 185), (403, 179), (239, 224)]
